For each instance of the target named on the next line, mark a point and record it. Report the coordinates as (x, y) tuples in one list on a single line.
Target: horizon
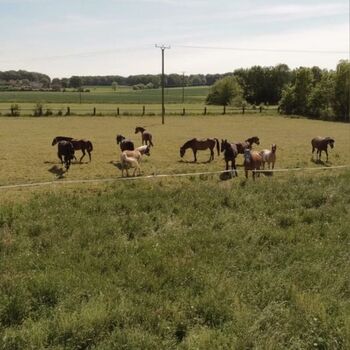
[(118, 37)]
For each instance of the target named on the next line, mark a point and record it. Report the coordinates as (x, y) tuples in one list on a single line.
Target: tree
[(225, 91), (114, 85), (341, 101), (75, 82)]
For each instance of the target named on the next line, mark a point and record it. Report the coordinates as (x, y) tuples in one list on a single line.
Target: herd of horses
[(130, 156)]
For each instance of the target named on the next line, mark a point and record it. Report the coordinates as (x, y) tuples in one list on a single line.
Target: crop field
[(173, 263), (124, 95)]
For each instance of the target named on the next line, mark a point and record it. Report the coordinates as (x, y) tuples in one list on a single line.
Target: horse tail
[(90, 147), (217, 145)]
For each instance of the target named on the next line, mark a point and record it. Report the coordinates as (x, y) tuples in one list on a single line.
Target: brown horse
[(252, 161), (247, 144), (124, 143), (321, 144), (230, 154), (83, 145), (146, 137), (200, 145)]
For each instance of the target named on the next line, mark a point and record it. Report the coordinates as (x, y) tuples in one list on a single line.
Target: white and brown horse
[(269, 156), (132, 159)]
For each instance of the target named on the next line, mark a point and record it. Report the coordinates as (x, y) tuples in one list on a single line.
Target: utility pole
[(162, 47), (183, 87)]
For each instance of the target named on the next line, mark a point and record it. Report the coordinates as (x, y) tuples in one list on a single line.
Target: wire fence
[(138, 110)]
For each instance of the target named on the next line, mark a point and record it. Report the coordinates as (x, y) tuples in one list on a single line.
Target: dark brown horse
[(252, 161), (200, 145), (125, 145), (230, 154), (321, 144), (146, 137), (65, 152), (83, 145), (247, 144)]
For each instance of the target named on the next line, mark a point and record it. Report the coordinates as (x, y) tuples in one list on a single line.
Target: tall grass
[(190, 264)]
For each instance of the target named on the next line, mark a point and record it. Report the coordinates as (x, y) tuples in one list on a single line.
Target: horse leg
[(326, 154), (89, 153), (211, 155), (60, 157), (195, 155), (234, 167), (82, 155), (246, 174), (253, 171)]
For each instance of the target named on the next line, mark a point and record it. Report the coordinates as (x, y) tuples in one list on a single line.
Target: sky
[(117, 37)]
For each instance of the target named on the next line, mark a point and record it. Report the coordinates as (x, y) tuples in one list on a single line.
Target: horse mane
[(140, 128), (188, 143)]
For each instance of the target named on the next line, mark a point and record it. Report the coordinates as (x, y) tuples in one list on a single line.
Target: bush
[(38, 110), (15, 110)]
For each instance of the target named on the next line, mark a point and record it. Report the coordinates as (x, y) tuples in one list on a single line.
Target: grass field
[(27, 154), (189, 263), (107, 95)]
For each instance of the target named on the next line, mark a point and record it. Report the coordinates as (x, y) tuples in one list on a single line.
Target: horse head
[(223, 145), (330, 141), (273, 148), (139, 129), (54, 141), (147, 150), (119, 138), (182, 152)]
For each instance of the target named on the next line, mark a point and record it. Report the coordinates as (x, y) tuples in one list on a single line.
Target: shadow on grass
[(59, 172), (192, 162), (116, 164), (321, 162)]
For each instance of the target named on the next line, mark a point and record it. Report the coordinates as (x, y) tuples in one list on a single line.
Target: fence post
[(243, 109), (205, 111), (118, 111), (260, 109), (183, 111), (68, 111), (94, 113), (12, 111), (224, 111), (143, 110)]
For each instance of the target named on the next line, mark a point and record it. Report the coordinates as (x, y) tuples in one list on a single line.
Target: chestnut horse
[(83, 145), (321, 144), (124, 143), (247, 144), (252, 161), (230, 154), (146, 137), (200, 145)]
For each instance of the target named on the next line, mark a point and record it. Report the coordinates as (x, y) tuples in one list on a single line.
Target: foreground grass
[(194, 264)]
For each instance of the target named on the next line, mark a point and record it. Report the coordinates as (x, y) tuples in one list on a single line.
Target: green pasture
[(124, 95), (195, 263), (27, 154)]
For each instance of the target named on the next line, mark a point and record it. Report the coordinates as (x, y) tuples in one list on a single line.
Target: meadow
[(179, 263), (98, 95)]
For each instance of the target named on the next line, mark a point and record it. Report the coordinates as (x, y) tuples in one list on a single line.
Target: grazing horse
[(269, 156), (247, 144), (230, 154), (146, 137), (83, 145), (65, 150), (133, 159), (201, 145), (252, 161), (321, 144), (124, 143)]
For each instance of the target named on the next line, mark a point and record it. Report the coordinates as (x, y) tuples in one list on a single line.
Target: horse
[(65, 149), (230, 154), (201, 145), (81, 144), (252, 161), (247, 144), (124, 143), (133, 159), (269, 156), (146, 137), (321, 144)]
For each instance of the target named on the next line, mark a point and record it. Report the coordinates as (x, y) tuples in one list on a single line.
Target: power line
[(260, 49)]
